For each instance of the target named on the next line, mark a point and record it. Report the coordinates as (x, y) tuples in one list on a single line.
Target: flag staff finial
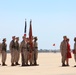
[(25, 28), (25, 19), (30, 20)]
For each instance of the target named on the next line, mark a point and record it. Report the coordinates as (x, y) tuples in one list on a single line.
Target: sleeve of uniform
[(33, 45), (21, 47), (61, 48), (37, 44), (75, 46), (6, 46), (10, 45), (0, 47)]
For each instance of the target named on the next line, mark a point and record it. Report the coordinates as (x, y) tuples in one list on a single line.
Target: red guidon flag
[(30, 36)]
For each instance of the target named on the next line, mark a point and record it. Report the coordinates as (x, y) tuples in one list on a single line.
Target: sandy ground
[(49, 64)]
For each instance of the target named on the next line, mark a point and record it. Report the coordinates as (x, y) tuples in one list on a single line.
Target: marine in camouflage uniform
[(4, 53), (23, 49), (12, 50), (29, 53), (63, 50), (17, 53), (35, 50), (0, 49)]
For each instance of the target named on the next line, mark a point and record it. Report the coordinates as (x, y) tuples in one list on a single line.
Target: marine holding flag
[(23, 48)]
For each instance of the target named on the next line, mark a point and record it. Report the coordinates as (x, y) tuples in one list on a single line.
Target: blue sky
[(51, 20)]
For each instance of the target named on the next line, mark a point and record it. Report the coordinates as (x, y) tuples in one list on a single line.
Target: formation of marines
[(28, 55)]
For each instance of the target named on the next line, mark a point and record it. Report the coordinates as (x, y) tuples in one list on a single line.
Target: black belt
[(36, 47)]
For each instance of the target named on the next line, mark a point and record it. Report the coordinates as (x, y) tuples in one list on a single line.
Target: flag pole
[(25, 28)]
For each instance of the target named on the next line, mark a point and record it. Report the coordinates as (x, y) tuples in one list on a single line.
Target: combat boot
[(17, 63), (13, 64), (3, 64)]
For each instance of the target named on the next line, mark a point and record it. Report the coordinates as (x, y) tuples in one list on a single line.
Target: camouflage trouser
[(4, 55), (13, 55), (17, 55), (24, 56), (27, 57), (30, 55), (35, 56), (64, 56)]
